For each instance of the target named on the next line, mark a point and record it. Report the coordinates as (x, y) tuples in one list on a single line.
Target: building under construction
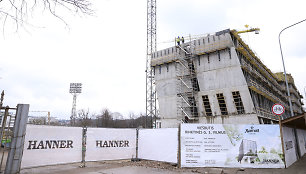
[(218, 79)]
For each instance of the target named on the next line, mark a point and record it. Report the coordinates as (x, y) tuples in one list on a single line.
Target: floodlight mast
[(75, 89), (151, 110)]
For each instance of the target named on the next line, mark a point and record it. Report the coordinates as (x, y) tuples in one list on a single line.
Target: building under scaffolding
[(218, 79)]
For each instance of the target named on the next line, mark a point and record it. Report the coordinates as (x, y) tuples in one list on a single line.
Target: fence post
[(13, 163), (137, 138), (84, 138), (179, 146), (282, 138)]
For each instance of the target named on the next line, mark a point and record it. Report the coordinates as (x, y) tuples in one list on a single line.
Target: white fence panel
[(289, 146), (229, 145), (158, 144), (301, 134), (48, 145), (110, 144)]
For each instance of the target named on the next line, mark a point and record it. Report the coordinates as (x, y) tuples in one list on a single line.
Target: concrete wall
[(166, 90), (223, 76)]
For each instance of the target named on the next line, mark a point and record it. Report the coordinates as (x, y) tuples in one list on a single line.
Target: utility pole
[(151, 110)]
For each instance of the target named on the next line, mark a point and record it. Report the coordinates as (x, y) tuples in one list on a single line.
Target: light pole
[(288, 92)]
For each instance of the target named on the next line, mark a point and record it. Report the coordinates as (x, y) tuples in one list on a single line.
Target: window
[(219, 55), (199, 61), (229, 52), (208, 58), (159, 69), (168, 51), (238, 102), (208, 39), (222, 104), (153, 70), (199, 42), (203, 41), (206, 104), (167, 66)]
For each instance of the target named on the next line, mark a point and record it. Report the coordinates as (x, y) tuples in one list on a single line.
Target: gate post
[(13, 163)]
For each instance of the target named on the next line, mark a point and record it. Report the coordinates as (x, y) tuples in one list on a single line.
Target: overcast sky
[(107, 52)]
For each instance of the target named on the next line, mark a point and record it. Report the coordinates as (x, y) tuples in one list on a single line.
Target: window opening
[(206, 104), (238, 102), (229, 52), (160, 69), (167, 66), (208, 58), (219, 56), (222, 104)]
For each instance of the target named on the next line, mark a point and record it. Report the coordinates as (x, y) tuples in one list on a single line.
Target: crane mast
[(151, 110)]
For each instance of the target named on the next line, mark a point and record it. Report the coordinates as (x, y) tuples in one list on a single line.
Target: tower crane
[(151, 109), (256, 30)]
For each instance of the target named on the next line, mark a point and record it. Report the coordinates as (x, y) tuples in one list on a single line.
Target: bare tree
[(83, 119), (18, 10)]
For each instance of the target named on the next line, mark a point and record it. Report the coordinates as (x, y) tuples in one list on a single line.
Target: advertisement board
[(49, 145), (217, 145), (110, 144)]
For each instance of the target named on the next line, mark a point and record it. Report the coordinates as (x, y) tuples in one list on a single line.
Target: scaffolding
[(187, 84)]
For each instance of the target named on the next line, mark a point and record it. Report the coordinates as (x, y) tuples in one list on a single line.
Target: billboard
[(217, 145)]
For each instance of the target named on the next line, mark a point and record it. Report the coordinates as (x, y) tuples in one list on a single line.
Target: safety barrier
[(191, 145)]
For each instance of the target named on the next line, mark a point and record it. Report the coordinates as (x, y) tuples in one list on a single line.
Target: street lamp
[(288, 92)]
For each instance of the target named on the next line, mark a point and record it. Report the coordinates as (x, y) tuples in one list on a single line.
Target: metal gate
[(12, 132)]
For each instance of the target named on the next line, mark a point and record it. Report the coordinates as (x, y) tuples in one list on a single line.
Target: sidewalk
[(153, 167)]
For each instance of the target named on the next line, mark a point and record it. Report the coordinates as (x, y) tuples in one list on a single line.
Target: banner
[(49, 145), (217, 145), (110, 144), (158, 144)]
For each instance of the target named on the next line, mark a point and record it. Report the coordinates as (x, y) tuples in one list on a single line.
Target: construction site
[(210, 108), (218, 79)]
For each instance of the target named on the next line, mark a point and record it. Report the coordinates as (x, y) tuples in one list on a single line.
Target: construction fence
[(191, 145)]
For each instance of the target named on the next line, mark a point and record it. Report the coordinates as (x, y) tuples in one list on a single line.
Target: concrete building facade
[(217, 79)]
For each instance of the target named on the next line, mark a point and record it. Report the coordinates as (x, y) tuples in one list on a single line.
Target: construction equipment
[(256, 30)]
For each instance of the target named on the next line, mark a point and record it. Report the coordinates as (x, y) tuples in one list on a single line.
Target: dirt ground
[(154, 167)]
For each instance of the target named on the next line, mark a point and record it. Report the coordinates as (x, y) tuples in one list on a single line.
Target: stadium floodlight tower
[(75, 89)]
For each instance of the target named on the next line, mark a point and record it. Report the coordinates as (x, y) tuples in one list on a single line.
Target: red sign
[(278, 109)]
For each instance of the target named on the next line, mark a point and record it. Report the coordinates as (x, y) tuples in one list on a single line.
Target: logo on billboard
[(251, 130), (50, 144)]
